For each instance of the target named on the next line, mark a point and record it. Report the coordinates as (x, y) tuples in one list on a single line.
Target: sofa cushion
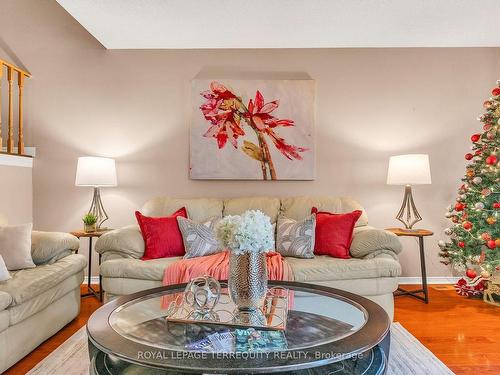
[(20, 312), (269, 206), (48, 247), (28, 283), (5, 300), (137, 269), (4, 320), (198, 209), (325, 268), (298, 208)]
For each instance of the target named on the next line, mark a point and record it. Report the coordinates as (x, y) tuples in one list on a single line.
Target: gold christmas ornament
[(491, 220), (492, 289), (470, 173), (485, 274)]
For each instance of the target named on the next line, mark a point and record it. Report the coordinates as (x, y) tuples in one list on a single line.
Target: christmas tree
[(474, 245)]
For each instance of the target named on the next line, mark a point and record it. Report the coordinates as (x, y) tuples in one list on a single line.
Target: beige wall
[(16, 192), (135, 106)]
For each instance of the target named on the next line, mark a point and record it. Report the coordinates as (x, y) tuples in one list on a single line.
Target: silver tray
[(271, 316)]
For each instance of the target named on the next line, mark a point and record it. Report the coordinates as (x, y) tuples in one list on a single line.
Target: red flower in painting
[(221, 110), (224, 112), (259, 113), (290, 151), (225, 125)]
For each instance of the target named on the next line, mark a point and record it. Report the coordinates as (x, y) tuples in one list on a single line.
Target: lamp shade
[(410, 169), (95, 171)]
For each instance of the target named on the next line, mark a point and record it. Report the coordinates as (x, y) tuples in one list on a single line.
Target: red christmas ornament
[(470, 273), (496, 205), (478, 152), (461, 244), (475, 137), (491, 160), (491, 244), (459, 206), (467, 225), (495, 91), (487, 127), (468, 156)]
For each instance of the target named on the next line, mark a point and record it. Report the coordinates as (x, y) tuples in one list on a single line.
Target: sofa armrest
[(369, 242), (5, 300), (126, 242), (49, 247)]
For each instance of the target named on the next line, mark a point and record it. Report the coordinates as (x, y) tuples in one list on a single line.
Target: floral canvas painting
[(252, 129)]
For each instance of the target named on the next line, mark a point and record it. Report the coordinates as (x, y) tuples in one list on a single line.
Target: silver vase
[(248, 280)]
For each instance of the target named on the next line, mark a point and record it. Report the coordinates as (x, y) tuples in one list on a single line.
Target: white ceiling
[(185, 24)]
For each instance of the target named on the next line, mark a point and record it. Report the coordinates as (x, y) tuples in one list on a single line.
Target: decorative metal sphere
[(202, 294)]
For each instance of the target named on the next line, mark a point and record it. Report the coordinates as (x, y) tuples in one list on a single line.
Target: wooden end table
[(420, 233), (90, 235)]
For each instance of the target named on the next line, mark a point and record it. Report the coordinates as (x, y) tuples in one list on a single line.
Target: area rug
[(408, 357)]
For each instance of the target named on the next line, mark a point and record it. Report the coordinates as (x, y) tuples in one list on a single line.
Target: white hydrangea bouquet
[(251, 232)]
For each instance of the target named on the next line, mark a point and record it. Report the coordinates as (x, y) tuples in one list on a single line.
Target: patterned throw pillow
[(199, 238), (296, 238)]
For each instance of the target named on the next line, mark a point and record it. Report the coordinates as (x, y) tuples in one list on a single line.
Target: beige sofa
[(36, 303), (372, 271)]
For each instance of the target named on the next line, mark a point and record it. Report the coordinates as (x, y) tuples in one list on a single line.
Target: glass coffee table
[(328, 331)]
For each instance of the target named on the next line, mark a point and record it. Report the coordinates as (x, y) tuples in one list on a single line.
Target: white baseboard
[(93, 280), (402, 280), (430, 280)]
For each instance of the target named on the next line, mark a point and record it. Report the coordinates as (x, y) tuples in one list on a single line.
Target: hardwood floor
[(463, 333)]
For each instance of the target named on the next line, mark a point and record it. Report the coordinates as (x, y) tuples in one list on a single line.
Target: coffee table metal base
[(371, 362)]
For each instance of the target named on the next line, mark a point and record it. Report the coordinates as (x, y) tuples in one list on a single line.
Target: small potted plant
[(89, 223)]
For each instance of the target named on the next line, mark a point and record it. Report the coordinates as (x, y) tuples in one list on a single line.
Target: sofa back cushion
[(298, 208), (269, 206), (198, 209)]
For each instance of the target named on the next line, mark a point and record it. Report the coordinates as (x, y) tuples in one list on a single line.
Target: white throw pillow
[(15, 246), (4, 272)]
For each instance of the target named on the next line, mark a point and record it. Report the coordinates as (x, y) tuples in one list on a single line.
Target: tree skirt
[(408, 356)]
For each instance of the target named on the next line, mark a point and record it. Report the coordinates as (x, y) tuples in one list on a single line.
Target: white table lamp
[(409, 170), (96, 172)]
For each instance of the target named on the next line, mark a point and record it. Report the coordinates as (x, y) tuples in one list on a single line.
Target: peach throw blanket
[(217, 266)]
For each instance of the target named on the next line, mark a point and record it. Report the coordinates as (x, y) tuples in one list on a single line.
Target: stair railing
[(13, 71)]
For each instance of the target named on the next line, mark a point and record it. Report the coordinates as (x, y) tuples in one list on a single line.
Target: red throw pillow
[(334, 233), (162, 236)]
